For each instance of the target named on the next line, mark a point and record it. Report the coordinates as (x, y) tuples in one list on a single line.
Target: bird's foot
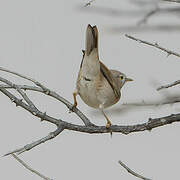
[(75, 102), (108, 124), (72, 108)]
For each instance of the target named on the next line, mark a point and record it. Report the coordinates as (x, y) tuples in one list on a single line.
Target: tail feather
[(91, 39), (96, 36)]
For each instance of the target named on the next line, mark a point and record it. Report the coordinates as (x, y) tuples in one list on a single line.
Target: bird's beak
[(128, 79)]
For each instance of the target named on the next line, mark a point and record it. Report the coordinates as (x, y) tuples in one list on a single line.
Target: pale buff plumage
[(97, 86)]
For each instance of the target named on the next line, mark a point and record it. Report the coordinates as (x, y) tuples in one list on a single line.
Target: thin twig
[(30, 109), (29, 168), (89, 3), (25, 77), (148, 15), (176, 1), (20, 91), (38, 142), (132, 172), (167, 100), (169, 52), (169, 85)]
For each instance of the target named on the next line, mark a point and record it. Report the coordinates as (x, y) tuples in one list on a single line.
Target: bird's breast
[(96, 91)]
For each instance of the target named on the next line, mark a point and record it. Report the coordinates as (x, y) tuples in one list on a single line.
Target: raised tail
[(91, 39)]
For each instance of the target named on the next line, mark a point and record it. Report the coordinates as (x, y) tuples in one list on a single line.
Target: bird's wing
[(109, 77)]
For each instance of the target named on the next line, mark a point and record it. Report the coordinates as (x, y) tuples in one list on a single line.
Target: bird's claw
[(108, 124), (72, 108)]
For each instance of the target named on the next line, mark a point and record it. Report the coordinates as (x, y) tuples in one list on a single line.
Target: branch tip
[(29, 168), (132, 172), (153, 45)]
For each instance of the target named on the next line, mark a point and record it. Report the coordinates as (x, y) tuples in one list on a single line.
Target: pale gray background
[(43, 39)]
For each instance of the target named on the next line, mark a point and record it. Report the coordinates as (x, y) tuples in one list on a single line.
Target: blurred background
[(43, 39)]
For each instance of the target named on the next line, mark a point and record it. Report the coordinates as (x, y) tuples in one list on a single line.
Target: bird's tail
[(91, 39)]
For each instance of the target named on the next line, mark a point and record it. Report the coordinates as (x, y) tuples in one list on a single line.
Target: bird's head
[(120, 77)]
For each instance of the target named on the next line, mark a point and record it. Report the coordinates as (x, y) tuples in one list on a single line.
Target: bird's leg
[(75, 101), (74, 97), (108, 124)]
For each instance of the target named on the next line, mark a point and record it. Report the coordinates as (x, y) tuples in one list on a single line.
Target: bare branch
[(37, 113), (145, 104), (23, 94), (152, 123), (29, 168), (176, 1), (144, 2), (25, 77), (44, 90), (121, 13), (169, 85), (147, 16), (168, 99), (169, 52), (38, 142), (132, 172)]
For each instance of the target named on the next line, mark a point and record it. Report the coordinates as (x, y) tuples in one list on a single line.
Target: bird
[(97, 86)]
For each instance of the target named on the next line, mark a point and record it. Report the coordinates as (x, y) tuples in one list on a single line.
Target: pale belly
[(94, 95)]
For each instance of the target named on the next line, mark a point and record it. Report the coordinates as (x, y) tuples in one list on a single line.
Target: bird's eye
[(121, 77)]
